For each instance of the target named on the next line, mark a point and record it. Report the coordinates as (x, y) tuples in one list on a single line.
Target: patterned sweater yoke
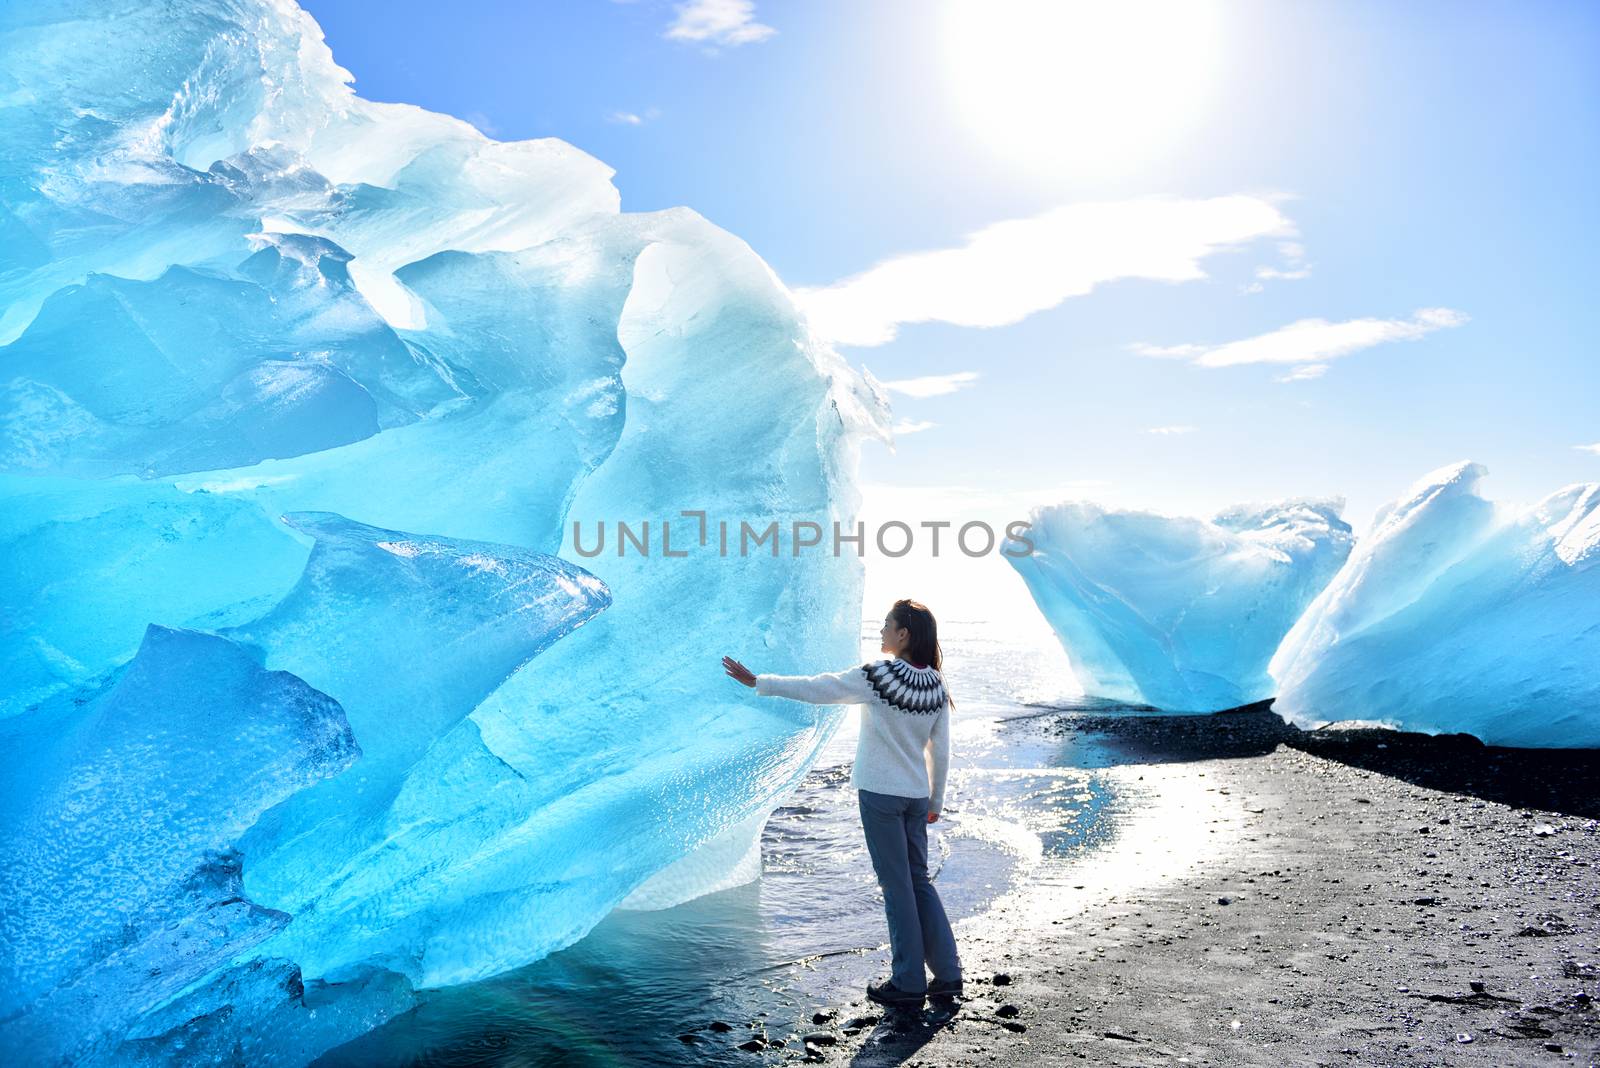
[(908, 688)]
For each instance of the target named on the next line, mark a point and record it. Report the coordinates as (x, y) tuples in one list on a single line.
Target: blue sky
[(1423, 157)]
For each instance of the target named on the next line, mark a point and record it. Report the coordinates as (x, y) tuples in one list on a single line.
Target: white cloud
[(1294, 267), (718, 22), (1010, 270), (1304, 373), (1309, 342), (912, 426), (1169, 430), (1176, 352), (1595, 448), (633, 118), (932, 385)]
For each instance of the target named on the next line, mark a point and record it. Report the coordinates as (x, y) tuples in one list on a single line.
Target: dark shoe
[(886, 993), (946, 988)]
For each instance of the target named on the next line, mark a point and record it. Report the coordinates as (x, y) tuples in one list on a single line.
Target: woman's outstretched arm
[(836, 688)]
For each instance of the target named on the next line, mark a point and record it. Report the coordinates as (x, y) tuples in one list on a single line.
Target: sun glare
[(1071, 88)]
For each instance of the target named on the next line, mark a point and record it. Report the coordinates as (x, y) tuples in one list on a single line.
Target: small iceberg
[(1175, 612), (1455, 615)]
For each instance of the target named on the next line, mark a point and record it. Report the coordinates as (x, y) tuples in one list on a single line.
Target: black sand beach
[(1278, 897)]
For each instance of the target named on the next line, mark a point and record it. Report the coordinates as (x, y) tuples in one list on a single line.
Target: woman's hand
[(737, 671), (933, 817)]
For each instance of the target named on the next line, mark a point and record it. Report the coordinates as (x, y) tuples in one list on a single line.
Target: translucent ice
[(196, 383), (317, 388), (87, 566), (1454, 615), (116, 811), (417, 631), (1179, 613)]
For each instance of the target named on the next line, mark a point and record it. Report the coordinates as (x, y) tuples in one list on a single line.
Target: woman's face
[(895, 637)]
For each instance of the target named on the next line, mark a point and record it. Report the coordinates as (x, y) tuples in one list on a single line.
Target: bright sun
[(1066, 87)]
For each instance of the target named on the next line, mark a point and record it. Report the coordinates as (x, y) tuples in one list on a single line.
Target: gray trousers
[(897, 840)]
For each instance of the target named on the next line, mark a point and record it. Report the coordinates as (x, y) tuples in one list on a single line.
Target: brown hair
[(924, 648), (915, 617)]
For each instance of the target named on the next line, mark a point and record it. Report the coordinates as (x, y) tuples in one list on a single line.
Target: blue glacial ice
[(301, 396), (1455, 614), (1179, 613), (120, 823)]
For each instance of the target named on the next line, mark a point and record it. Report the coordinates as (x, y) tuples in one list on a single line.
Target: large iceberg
[(1179, 613), (1454, 614), (310, 699)]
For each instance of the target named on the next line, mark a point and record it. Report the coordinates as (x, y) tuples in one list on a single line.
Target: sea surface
[(645, 987)]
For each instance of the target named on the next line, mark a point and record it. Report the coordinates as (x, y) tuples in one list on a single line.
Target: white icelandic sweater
[(904, 748)]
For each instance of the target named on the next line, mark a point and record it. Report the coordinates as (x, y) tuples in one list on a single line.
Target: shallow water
[(811, 930)]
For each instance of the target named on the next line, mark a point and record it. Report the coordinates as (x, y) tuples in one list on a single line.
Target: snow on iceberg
[(1455, 615), (1175, 612), (233, 291)]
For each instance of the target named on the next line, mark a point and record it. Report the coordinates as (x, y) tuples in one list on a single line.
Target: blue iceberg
[(305, 400), (1179, 613), (1457, 615)]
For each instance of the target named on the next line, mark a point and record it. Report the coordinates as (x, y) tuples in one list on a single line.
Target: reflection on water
[(645, 987)]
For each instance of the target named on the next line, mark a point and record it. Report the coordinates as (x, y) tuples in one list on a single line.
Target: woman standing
[(902, 758)]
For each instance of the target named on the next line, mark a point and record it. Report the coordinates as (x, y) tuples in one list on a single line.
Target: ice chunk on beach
[(613, 756), (1455, 615), (321, 386), (1179, 613)]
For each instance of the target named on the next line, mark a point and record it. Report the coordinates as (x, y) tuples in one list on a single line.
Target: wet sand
[(1277, 897)]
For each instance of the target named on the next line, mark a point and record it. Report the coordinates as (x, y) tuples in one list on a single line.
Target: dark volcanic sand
[(1291, 898)]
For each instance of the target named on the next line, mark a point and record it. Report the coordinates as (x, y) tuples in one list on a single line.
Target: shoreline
[(1362, 896)]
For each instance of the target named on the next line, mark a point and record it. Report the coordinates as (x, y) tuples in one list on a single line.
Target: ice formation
[(305, 704), (1179, 613), (1455, 615)]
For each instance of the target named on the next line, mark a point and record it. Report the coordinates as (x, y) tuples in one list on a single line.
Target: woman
[(899, 773)]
